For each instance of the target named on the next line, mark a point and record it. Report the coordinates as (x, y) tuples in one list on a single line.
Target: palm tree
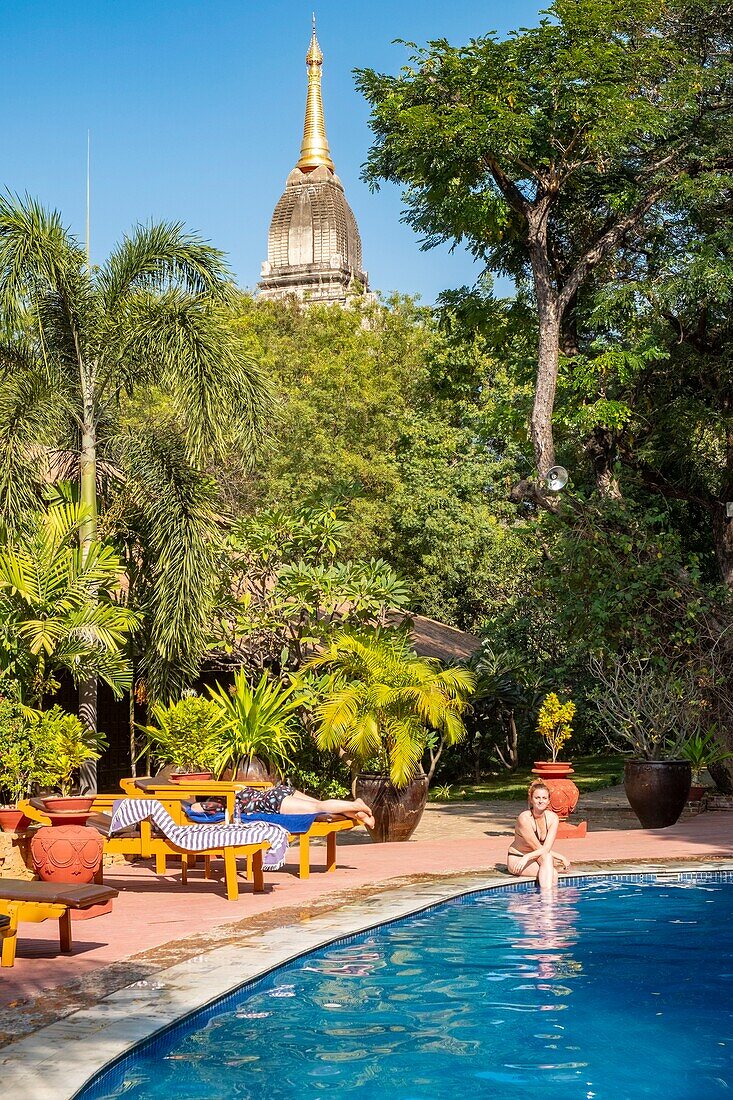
[(385, 701), (75, 342), (59, 607)]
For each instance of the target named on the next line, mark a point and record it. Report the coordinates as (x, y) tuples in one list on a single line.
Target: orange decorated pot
[(552, 769), (66, 853)]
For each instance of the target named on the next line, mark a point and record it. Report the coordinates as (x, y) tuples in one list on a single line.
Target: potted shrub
[(649, 714), (183, 736), (24, 763), (703, 750), (41, 750), (257, 727), (383, 707), (69, 747), (554, 727)]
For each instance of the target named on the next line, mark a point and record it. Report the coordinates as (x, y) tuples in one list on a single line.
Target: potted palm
[(257, 727), (383, 707), (649, 715), (703, 750)]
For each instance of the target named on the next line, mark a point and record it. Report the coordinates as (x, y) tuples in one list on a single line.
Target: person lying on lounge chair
[(284, 799)]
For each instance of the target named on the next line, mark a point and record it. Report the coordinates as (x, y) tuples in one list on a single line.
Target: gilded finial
[(314, 150)]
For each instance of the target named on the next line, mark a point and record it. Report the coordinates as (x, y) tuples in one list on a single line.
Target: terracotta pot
[(67, 853), (68, 811), (563, 792), (190, 777), (657, 790), (13, 821), (397, 812), (697, 790), (552, 769)]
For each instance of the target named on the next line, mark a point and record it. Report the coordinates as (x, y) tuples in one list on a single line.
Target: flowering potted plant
[(554, 727)]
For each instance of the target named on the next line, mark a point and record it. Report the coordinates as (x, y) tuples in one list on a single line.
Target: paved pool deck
[(167, 948)]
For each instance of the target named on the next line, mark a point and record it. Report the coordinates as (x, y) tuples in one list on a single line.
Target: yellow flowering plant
[(553, 723)]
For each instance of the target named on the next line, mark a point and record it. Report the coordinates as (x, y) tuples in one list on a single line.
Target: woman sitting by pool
[(534, 835), (284, 799)]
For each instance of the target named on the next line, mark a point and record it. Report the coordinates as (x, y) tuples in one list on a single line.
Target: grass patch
[(592, 773)]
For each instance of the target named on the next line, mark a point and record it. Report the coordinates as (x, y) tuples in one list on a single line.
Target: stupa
[(313, 247)]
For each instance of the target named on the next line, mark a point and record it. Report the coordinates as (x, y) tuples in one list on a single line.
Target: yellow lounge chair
[(144, 842), (39, 901)]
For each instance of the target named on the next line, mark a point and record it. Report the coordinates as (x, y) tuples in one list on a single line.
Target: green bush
[(67, 743), (25, 758), (184, 734), (41, 749)]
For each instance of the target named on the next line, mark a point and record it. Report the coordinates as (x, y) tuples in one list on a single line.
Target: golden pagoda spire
[(314, 149)]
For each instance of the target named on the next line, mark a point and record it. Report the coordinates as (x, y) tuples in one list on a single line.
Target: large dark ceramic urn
[(657, 790), (397, 811)]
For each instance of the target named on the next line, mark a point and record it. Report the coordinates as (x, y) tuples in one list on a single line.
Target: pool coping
[(57, 1061)]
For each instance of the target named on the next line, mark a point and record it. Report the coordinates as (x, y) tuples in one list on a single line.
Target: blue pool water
[(618, 989)]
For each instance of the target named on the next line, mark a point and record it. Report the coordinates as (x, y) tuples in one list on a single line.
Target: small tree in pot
[(384, 707), (650, 714), (703, 750), (183, 735)]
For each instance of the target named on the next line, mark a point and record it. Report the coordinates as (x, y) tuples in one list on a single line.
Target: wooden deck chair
[(39, 901), (145, 842)]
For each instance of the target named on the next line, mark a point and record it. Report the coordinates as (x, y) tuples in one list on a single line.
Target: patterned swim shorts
[(255, 800)]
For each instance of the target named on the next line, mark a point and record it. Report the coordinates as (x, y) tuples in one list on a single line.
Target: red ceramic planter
[(191, 777), (552, 769), (68, 811), (13, 821)]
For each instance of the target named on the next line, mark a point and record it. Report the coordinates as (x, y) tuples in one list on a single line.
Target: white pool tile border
[(56, 1061)]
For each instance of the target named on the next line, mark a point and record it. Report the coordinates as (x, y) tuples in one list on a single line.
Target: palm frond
[(173, 521), (161, 255), (186, 345)]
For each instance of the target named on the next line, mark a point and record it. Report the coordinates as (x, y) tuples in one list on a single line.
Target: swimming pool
[(619, 988)]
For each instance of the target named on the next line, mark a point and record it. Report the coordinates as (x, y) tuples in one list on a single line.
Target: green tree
[(286, 587), (546, 152), (346, 379), (76, 339)]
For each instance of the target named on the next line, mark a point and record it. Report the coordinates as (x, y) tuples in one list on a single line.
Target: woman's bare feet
[(363, 814)]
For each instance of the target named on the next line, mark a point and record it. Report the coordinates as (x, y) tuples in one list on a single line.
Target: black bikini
[(513, 851)]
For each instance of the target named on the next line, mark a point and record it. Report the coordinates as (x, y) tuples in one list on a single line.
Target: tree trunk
[(87, 535), (722, 525), (601, 448), (723, 540), (88, 719), (548, 351)]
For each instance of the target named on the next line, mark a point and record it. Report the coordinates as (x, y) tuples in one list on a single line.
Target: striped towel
[(197, 838)]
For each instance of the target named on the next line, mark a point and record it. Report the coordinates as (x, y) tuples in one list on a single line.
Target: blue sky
[(196, 112)]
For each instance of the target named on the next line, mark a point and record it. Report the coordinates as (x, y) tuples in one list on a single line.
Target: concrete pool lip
[(57, 1061)]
